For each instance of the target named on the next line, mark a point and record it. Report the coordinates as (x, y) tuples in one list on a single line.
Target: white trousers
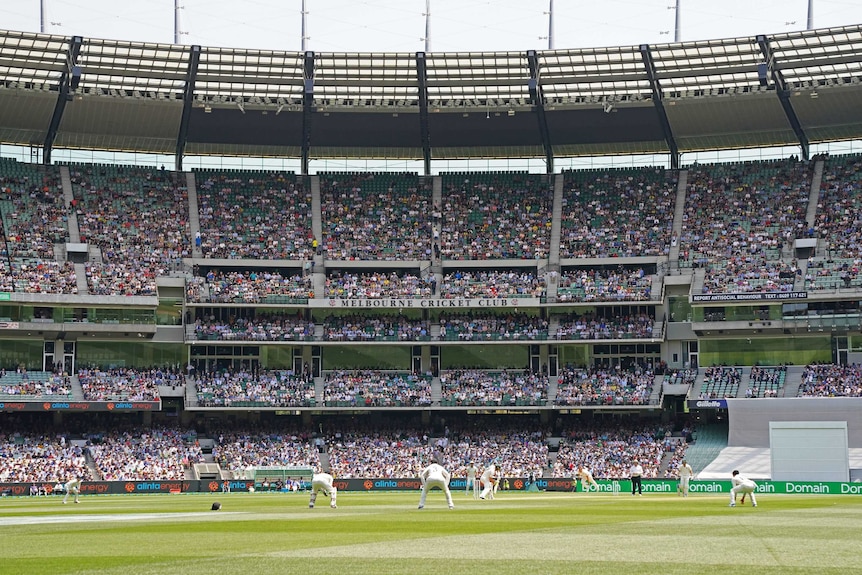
[(745, 490), (487, 490), (327, 489), (430, 484), (683, 485)]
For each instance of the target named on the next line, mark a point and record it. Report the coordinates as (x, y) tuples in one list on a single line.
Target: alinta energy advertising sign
[(80, 406)]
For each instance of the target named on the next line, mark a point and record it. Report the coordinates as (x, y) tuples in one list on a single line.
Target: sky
[(399, 25)]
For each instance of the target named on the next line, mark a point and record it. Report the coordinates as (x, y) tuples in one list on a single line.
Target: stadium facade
[(660, 292)]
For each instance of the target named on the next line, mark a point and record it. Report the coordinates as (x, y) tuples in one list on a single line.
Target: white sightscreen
[(809, 451)]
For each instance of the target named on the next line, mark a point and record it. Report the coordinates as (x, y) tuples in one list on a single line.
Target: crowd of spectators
[(495, 216), (158, 453), (104, 278), (592, 284), (383, 453), (481, 387), (252, 388), (750, 274), (261, 327), (240, 451), (34, 384), (739, 217), (362, 327), (680, 376), (610, 451), (518, 452), (602, 324), (839, 209), (625, 213), (736, 220), (833, 274), (44, 276), (477, 325), (766, 381), (404, 452), (40, 457), (720, 382), (126, 384), (34, 220), (253, 215), (377, 285), (676, 451), (604, 386), (375, 216), (138, 219), (492, 284), (374, 388), (830, 380), (254, 286), (34, 216)]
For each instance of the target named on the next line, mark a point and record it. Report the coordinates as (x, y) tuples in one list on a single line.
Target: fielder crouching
[(323, 482)]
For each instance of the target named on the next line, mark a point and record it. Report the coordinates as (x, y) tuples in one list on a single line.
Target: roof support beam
[(658, 102), (69, 80), (188, 98), (783, 94), (307, 107), (422, 76), (538, 98)]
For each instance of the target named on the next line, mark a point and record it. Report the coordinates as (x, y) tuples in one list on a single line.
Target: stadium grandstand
[(165, 323)]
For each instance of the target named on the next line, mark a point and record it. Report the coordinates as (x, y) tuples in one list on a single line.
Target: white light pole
[(304, 38)]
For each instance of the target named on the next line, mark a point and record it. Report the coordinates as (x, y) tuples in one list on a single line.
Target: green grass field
[(516, 534)]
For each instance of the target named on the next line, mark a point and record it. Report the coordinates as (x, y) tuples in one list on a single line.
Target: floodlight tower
[(810, 23), (43, 17), (177, 31), (550, 14), (427, 15), (304, 38), (676, 27)]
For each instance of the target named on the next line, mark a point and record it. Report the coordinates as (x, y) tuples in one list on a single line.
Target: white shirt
[(738, 480), (471, 472), (434, 471), (324, 478), (637, 470), (489, 473), (685, 470)]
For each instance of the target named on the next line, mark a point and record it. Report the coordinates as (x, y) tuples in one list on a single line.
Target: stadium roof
[(788, 89)]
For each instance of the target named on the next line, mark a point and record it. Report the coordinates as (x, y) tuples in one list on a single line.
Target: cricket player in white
[(685, 475), (472, 470), (587, 481), (636, 473), (322, 482), (742, 485), (488, 479), (74, 487), (435, 475)]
